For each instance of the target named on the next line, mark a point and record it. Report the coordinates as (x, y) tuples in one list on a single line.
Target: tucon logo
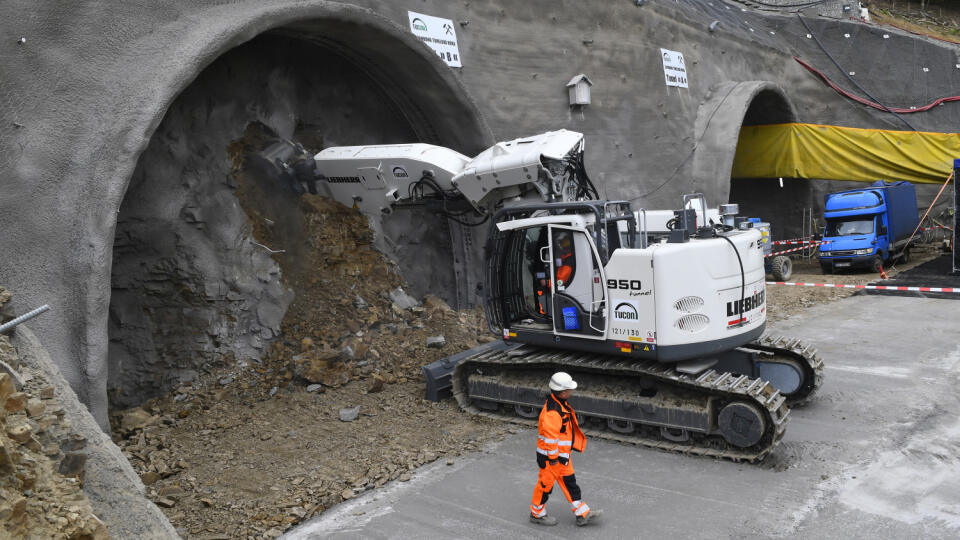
[(625, 311)]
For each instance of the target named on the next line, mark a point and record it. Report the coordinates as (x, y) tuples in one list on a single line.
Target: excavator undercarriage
[(711, 413)]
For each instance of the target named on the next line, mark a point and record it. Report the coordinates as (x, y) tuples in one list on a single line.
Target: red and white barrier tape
[(808, 246), (935, 227), (793, 240), (871, 287)]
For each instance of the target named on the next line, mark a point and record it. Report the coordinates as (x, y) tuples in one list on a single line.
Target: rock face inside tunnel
[(191, 286)]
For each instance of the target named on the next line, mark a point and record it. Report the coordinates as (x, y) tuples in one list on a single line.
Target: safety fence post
[(956, 219)]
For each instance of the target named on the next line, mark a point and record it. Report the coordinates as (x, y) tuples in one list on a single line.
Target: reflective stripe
[(565, 443), (544, 452), (579, 508), (563, 454), (538, 511), (549, 441)]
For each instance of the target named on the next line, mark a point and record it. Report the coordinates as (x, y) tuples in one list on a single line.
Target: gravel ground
[(250, 452)]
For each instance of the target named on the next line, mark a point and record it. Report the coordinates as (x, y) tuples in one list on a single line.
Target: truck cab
[(867, 227)]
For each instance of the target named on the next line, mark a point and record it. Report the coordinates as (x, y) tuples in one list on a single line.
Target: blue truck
[(868, 227)]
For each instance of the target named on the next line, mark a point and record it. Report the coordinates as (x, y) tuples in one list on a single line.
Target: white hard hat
[(562, 381)]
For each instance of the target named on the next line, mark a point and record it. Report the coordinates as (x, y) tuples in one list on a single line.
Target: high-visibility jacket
[(559, 431)]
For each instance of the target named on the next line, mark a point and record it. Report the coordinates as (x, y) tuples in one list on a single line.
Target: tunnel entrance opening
[(194, 283), (786, 202)]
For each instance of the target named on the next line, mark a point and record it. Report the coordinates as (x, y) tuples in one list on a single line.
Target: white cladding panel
[(630, 286), (708, 269)]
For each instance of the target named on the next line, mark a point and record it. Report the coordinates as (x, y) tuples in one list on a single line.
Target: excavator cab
[(545, 273), (560, 281), (578, 300)]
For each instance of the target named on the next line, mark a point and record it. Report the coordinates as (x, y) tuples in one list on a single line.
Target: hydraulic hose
[(743, 282), (847, 74)]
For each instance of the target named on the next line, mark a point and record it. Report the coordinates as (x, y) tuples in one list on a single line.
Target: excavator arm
[(375, 179)]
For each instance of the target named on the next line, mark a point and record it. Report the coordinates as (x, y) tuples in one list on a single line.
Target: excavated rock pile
[(42, 462), (333, 409)]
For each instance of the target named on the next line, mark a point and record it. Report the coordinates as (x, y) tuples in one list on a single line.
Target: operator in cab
[(558, 434)]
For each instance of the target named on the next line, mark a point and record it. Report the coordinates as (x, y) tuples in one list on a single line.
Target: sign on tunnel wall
[(674, 68), (841, 153), (439, 34)]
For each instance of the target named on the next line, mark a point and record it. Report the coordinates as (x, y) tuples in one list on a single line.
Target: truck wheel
[(876, 265), (826, 267), (905, 256), (782, 268)]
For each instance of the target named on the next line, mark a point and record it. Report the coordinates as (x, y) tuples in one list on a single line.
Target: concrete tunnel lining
[(440, 109), (717, 129)]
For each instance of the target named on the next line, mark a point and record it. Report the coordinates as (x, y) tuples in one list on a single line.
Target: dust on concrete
[(247, 451)]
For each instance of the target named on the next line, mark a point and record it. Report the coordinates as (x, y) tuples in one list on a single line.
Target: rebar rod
[(23, 318)]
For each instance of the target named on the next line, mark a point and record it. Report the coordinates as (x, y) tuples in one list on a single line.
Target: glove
[(564, 461), (541, 461)]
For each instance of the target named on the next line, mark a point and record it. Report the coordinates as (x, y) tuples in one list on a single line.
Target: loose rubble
[(335, 408), (42, 462)]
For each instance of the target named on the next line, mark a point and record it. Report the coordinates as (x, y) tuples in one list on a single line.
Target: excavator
[(659, 315)]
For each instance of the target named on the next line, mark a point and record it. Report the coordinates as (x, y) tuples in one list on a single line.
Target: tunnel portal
[(192, 288)]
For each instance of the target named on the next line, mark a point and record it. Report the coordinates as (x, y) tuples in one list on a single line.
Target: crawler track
[(803, 355), (489, 373)]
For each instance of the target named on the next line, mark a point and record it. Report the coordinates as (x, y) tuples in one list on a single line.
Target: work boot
[(545, 520), (591, 517)]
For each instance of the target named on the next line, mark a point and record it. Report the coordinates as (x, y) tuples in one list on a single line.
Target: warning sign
[(674, 68), (439, 34)]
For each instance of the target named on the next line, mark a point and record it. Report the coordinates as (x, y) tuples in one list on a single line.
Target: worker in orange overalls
[(564, 268), (564, 255), (559, 432)]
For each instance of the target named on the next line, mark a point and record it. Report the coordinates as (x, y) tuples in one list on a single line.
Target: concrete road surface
[(877, 455)]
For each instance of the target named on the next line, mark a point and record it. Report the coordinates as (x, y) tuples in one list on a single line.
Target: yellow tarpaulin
[(839, 153)]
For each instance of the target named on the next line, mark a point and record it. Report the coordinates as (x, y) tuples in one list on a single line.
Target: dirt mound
[(336, 405)]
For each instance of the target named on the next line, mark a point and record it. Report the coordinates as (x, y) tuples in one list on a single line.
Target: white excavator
[(659, 315)]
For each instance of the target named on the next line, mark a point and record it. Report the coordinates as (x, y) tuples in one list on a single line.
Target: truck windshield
[(849, 226)]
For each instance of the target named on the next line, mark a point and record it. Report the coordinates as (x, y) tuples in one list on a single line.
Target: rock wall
[(60, 475), (83, 95)]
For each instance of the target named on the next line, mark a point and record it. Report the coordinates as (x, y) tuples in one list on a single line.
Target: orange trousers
[(557, 474)]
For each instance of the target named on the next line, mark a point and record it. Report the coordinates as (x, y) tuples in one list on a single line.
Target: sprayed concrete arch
[(729, 107), (127, 98)]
